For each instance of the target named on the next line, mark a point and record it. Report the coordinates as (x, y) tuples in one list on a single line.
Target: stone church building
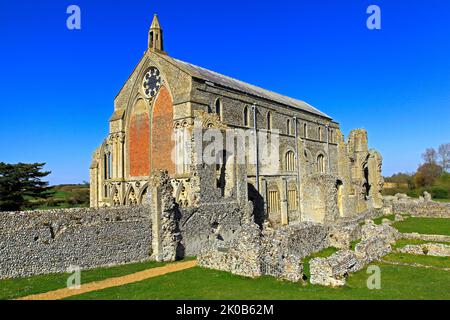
[(314, 174)]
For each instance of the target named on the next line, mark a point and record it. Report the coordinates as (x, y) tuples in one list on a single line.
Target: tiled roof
[(219, 79)]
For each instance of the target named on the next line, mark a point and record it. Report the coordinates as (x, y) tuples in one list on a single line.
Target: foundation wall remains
[(422, 207)]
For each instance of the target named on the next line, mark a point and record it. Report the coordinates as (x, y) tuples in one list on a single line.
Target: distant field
[(424, 226), (64, 196)]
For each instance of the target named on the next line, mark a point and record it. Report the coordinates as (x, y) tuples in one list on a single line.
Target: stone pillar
[(93, 186), (284, 203), (156, 208), (375, 178), (166, 236)]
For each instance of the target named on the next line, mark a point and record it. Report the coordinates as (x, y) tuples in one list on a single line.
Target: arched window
[(290, 161), (246, 117), (288, 127), (110, 164), (305, 130), (319, 133), (105, 166), (269, 120), (331, 136), (321, 164), (218, 106)]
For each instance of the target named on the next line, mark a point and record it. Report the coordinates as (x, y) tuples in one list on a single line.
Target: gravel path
[(112, 282)]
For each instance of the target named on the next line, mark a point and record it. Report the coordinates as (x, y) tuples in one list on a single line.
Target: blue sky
[(58, 85)]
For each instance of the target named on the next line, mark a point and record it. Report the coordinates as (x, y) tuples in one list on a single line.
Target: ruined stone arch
[(143, 193), (365, 174), (131, 198)]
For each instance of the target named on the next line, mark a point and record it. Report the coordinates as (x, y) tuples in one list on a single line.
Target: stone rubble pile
[(375, 243)]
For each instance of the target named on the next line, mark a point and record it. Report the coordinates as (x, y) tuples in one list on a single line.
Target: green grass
[(398, 282), (438, 262), (440, 226), (442, 200), (404, 242), (380, 219), (14, 288)]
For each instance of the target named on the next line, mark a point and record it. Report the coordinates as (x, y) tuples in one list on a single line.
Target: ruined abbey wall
[(42, 242)]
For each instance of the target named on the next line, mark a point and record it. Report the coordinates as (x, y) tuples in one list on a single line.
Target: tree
[(19, 182), (444, 156), (429, 156), (427, 174)]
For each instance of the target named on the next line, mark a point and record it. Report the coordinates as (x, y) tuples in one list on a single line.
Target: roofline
[(268, 100)]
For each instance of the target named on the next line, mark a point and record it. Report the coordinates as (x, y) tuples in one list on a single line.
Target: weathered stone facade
[(313, 175)]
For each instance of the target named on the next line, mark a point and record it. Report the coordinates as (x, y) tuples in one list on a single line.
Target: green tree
[(20, 182)]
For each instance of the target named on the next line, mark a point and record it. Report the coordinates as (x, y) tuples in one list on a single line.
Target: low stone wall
[(277, 253), (42, 242), (422, 207), (299, 239), (333, 271), (426, 237), (430, 249)]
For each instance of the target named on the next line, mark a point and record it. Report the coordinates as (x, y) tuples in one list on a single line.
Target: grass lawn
[(380, 219), (442, 200), (438, 262), (398, 282), (424, 226), (404, 242), (14, 288)]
